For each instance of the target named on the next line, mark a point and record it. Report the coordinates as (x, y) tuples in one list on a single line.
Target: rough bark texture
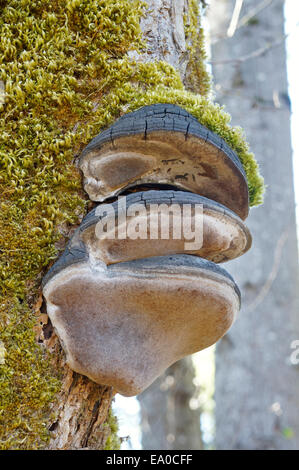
[(256, 384), (81, 411), (163, 30)]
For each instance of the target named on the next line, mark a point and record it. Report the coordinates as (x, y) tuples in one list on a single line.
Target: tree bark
[(256, 384), (164, 33), (67, 64), (82, 417)]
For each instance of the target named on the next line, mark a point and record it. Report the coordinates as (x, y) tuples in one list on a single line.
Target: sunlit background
[(292, 31), (127, 410)]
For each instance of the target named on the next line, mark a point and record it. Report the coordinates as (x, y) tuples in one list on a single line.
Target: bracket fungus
[(124, 324), (164, 144), (109, 232), (126, 300)]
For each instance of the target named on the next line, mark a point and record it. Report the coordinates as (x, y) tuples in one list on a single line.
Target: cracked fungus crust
[(165, 157), (67, 76)]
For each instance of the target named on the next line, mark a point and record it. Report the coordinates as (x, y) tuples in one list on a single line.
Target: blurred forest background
[(244, 393)]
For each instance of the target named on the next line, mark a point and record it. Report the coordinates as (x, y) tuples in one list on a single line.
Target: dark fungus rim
[(161, 117)]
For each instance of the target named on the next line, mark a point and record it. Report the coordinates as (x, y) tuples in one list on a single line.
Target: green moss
[(113, 442), (198, 79), (67, 76), (27, 381)]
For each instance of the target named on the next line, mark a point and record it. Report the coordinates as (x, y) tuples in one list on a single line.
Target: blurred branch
[(235, 18), (252, 55), (245, 19), (253, 12)]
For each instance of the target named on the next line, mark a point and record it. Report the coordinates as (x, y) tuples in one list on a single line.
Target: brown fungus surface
[(157, 223), (124, 324), (164, 144)]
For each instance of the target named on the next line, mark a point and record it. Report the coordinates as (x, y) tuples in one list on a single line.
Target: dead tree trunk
[(256, 383), (66, 78), (82, 413), (82, 409), (83, 406)]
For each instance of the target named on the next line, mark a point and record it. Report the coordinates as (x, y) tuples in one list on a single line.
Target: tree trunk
[(69, 69), (256, 384), (82, 413), (167, 421), (82, 409)]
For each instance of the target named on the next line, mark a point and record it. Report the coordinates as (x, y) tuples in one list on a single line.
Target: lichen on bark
[(68, 73)]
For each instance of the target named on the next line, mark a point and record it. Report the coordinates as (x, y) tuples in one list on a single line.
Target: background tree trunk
[(257, 387), (167, 420)]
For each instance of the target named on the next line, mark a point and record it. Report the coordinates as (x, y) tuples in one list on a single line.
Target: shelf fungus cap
[(164, 144), (124, 324), (158, 223)]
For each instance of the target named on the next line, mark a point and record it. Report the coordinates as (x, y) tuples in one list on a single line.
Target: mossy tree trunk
[(69, 69), (82, 412), (256, 383)]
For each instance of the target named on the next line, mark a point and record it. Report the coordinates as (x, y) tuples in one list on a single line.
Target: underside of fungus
[(124, 324), (133, 292)]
